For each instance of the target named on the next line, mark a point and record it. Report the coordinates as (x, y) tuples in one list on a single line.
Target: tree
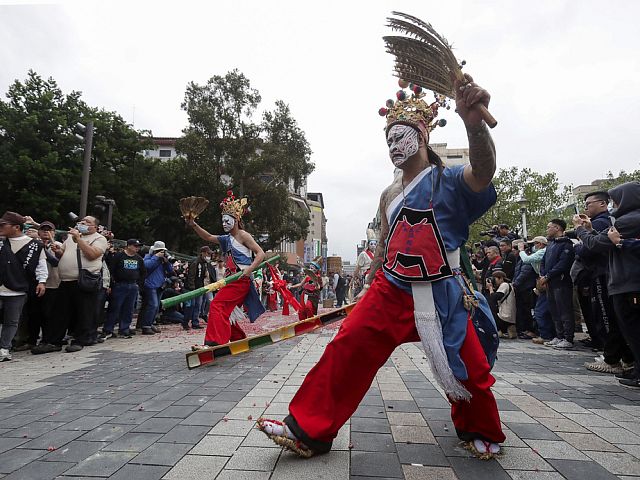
[(262, 159), (41, 159), (542, 192), (622, 177)]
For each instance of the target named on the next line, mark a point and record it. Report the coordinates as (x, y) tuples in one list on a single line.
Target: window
[(165, 153), (454, 156)]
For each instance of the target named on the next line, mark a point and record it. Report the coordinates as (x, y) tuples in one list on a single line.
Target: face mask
[(611, 208), (403, 143), (207, 259), (82, 228), (227, 223)]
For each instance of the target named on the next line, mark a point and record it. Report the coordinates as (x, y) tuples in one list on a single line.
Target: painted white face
[(227, 223), (372, 245), (403, 143)]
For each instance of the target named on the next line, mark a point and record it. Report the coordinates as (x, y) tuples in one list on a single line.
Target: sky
[(564, 77)]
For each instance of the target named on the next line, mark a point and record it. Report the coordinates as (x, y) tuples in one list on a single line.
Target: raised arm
[(201, 232), (482, 151)]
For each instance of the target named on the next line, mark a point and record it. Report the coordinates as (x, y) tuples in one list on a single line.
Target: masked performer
[(363, 264), (420, 293), (311, 287), (241, 252)]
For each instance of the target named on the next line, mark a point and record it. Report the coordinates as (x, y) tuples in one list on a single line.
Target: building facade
[(164, 148)]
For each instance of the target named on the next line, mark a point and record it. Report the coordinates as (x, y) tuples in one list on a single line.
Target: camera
[(490, 233), (73, 217)]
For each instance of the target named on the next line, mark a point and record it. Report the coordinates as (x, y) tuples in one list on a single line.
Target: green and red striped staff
[(212, 287)]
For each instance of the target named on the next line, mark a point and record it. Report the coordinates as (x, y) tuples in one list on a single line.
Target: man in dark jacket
[(624, 265), (604, 330), (555, 268), (201, 273), (508, 258)]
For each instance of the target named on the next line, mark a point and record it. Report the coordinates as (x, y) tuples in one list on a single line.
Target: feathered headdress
[(191, 207), (424, 58), (234, 207)]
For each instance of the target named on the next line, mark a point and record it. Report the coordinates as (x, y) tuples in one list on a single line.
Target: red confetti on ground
[(350, 446), (225, 419), (51, 449), (250, 417), (140, 408)]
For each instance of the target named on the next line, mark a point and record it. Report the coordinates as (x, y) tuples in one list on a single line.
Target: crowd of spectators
[(543, 290), (75, 289)]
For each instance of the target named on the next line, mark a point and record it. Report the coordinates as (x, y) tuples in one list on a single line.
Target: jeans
[(12, 306), (543, 318), (561, 307), (121, 306), (192, 312), (40, 312), (172, 316), (151, 310)]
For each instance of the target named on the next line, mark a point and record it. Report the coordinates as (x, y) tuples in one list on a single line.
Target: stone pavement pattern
[(130, 409)]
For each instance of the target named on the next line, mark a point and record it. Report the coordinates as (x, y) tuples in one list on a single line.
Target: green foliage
[(41, 161), (542, 192), (622, 177), (263, 159)]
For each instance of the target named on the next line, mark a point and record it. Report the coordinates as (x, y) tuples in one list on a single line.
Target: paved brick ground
[(130, 409)]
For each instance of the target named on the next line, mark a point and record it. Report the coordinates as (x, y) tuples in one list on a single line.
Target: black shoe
[(155, 329), (74, 347), (125, 334), (630, 375), (45, 348), (148, 331), (198, 327), (186, 327), (105, 335), (630, 382)]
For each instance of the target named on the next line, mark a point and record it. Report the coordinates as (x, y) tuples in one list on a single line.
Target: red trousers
[(379, 323), (219, 329)]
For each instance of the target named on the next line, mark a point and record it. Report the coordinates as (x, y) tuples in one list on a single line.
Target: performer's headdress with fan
[(191, 207), (424, 58), (234, 207)]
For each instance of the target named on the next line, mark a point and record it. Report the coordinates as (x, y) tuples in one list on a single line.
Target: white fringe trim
[(430, 331), (236, 315)]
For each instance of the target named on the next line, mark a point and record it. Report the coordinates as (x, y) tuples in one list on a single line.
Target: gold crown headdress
[(413, 110), (234, 207)]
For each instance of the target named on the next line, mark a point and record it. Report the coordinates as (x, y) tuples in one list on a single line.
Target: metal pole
[(109, 215), (524, 223), (86, 169)]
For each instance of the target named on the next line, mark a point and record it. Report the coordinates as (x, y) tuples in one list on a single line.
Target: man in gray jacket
[(624, 266)]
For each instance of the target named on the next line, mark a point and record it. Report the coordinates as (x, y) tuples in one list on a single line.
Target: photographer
[(494, 263), (157, 264), (503, 304)]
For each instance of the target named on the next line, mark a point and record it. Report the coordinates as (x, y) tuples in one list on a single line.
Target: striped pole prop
[(204, 355), (212, 287)]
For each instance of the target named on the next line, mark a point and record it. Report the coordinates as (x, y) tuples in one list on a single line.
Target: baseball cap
[(133, 241), (48, 224), (12, 218)]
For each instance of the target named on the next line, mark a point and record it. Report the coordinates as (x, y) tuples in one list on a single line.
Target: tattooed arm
[(482, 151)]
